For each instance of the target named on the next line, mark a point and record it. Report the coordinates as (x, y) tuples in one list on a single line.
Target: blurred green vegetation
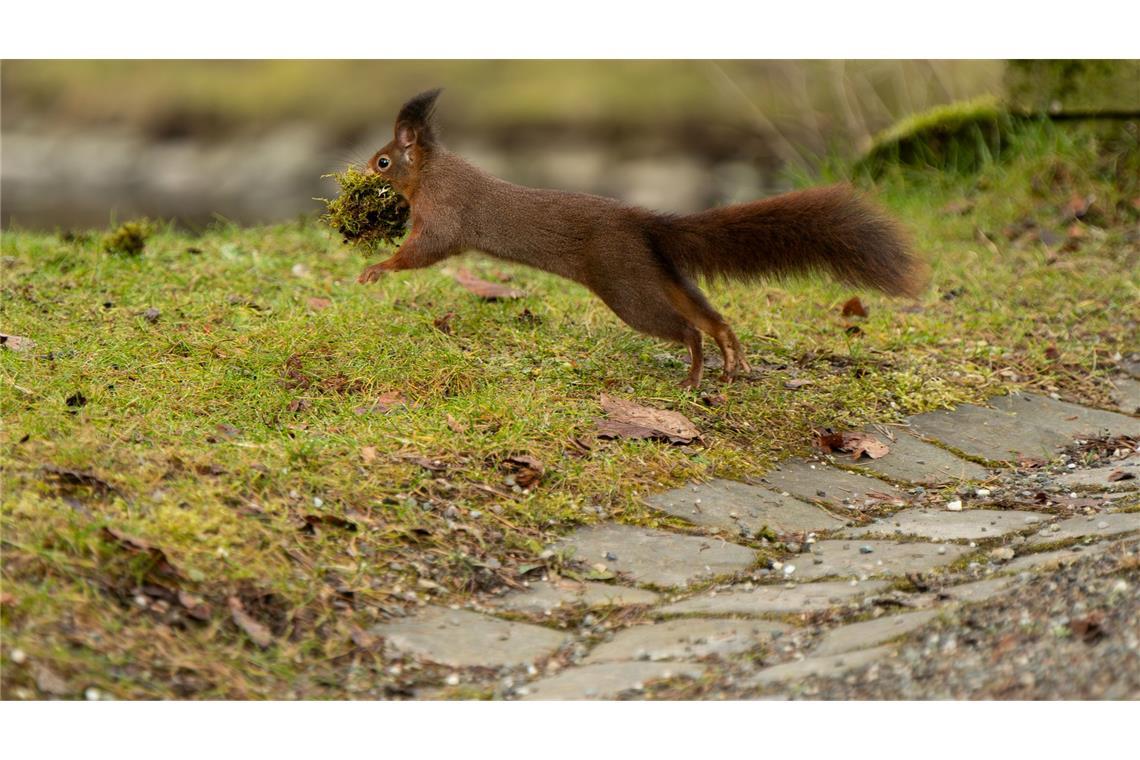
[(351, 98)]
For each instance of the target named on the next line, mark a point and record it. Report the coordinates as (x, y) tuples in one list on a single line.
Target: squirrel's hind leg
[(691, 303), (693, 340)]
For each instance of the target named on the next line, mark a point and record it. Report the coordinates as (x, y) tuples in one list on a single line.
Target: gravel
[(1070, 634)]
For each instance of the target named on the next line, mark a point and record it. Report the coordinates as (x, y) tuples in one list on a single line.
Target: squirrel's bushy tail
[(826, 229)]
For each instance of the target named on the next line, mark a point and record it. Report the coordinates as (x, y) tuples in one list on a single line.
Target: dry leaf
[(443, 324), (16, 342), (257, 632), (455, 425), (486, 290), (796, 384), (368, 454), (313, 519), (432, 465), (628, 419), (1117, 475), (137, 545), (383, 403), (195, 606), (854, 308), (854, 442), (317, 304), (526, 470), (299, 405)]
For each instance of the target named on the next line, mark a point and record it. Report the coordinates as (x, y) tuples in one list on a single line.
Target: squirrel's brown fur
[(640, 263)]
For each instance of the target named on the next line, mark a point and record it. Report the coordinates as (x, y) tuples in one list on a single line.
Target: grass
[(235, 406)]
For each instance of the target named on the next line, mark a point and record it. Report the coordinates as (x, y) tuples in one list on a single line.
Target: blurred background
[(86, 143)]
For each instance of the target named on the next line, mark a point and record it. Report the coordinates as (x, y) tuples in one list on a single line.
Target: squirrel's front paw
[(370, 274)]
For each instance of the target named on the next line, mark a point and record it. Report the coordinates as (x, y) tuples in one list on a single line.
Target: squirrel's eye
[(383, 162)]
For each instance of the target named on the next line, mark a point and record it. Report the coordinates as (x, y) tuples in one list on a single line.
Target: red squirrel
[(640, 263)]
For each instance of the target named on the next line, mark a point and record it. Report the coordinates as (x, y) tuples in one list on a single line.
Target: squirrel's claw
[(370, 274)]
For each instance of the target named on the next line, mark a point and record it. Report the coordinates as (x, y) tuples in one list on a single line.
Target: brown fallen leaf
[(1117, 475), (796, 384), (455, 425), (431, 465), (853, 307), (383, 403), (195, 606), (317, 304), (313, 519), (628, 419), (298, 405), (136, 545), (526, 470), (959, 207), (489, 291), (368, 454), (257, 632), (443, 323), (853, 442), (1052, 354), (16, 342), (1078, 206), (1089, 628), (78, 478)]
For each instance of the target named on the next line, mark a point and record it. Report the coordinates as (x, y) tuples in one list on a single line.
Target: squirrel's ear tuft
[(414, 123)]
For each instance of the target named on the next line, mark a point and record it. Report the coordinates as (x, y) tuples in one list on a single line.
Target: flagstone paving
[(685, 639), (463, 638), (1092, 525), (612, 639), (774, 599), (1127, 395), (607, 680), (657, 556), (543, 597), (834, 665), (913, 460), (870, 632), (815, 481), (733, 506), (943, 525), (1119, 476), (862, 558)]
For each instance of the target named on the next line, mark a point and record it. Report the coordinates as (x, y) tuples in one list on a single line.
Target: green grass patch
[(320, 454)]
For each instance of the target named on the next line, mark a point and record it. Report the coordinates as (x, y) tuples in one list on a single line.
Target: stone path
[(787, 576)]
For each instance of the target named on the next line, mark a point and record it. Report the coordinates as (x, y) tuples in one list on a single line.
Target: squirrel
[(642, 264)]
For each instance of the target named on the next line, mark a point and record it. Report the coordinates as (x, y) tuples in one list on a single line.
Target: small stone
[(865, 550), (318, 501), (1002, 554), (151, 315), (789, 569), (941, 549), (92, 694), (954, 506), (453, 679), (611, 557), (18, 656), (982, 492)]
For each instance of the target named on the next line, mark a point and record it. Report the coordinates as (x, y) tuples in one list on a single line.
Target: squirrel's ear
[(414, 123)]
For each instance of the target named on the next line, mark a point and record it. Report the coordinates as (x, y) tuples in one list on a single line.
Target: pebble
[(611, 557), (1002, 553), (453, 679), (982, 492), (789, 569), (865, 549), (92, 694), (18, 656), (954, 506)]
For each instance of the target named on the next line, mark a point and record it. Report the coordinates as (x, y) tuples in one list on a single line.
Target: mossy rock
[(368, 212), (956, 137)]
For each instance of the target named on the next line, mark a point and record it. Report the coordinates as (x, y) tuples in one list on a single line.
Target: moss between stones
[(368, 212), (956, 137)]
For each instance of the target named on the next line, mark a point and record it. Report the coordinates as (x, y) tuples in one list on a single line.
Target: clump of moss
[(129, 239), (955, 137), (367, 212)]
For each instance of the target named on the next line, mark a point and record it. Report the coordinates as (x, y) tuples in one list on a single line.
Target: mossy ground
[(261, 430)]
